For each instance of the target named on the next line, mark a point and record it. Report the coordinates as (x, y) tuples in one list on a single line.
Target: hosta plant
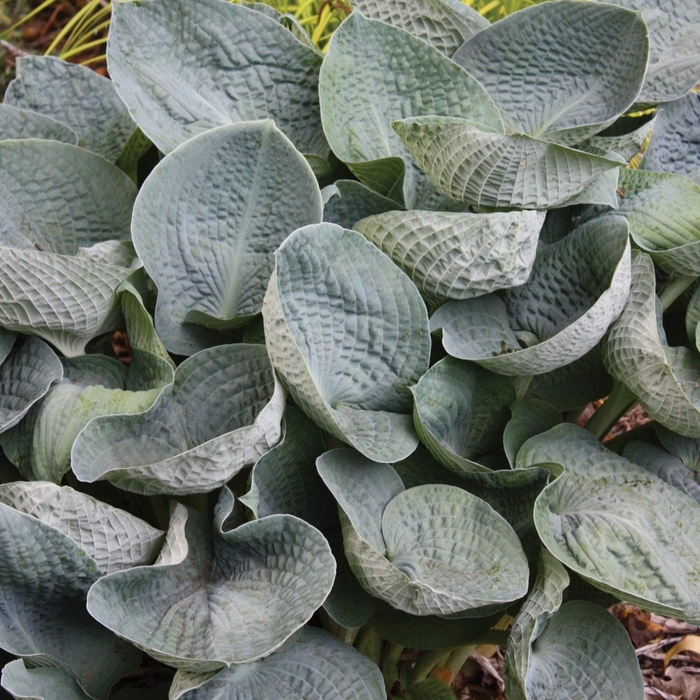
[(295, 349)]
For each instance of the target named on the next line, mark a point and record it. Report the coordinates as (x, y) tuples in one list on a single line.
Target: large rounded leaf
[(260, 597), (76, 96), (665, 380), (615, 523), (222, 413), (561, 71), (578, 286), (460, 412), (445, 24), (476, 165), (40, 683), (206, 224), (430, 550), (674, 55), (18, 123), (457, 255), (375, 73), (316, 666), (348, 332), (25, 377), (214, 63), (45, 577)]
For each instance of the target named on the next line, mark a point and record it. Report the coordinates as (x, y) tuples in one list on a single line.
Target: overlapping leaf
[(620, 139), (43, 683), (616, 524), (348, 333), (347, 201), (664, 379), (411, 566), (214, 63), (686, 449), (457, 255), (560, 71), (315, 665), (18, 123), (376, 73), (578, 286), (206, 224), (261, 596), (222, 413)]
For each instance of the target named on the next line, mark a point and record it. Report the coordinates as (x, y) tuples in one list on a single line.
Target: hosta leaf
[(222, 413), (18, 123), (663, 210), (635, 352), (348, 332), (578, 286), (530, 417), (561, 71), (285, 480), (686, 449), (616, 524), (402, 560), (375, 73), (544, 599), (625, 143), (92, 385), (137, 145), (7, 340), (460, 412), (25, 377), (667, 467), (57, 197), (113, 538), (45, 577), (472, 164), (215, 63), (315, 666), (674, 53), (348, 201), (445, 24), (76, 96), (674, 146), (168, 608), (43, 683), (206, 224), (457, 255)]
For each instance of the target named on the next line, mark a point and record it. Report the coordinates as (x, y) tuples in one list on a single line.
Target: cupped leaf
[(686, 449), (636, 353), (667, 467), (578, 286), (285, 480), (207, 222), (75, 96), (411, 548), (348, 201), (530, 417), (222, 413), (113, 538), (263, 579), (674, 146), (348, 332), (376, 73), (25, 377), (315, 666), (215, 63), (18, 123), (619, 139), (674, 53), (476, 165), (561, 71), (457, 255), (663, 210), (460, 412), (7, 340), (445, 24), (46, 576), (616, 524), (43, 683)]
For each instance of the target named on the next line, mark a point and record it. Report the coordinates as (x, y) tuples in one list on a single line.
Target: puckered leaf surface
[(348, 332), (16, 123), (214, 63), (222, 413), (686, 449), (345, 202), (578, 286), (43, 683), (616, 524), (207, 222), (214, 599)]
